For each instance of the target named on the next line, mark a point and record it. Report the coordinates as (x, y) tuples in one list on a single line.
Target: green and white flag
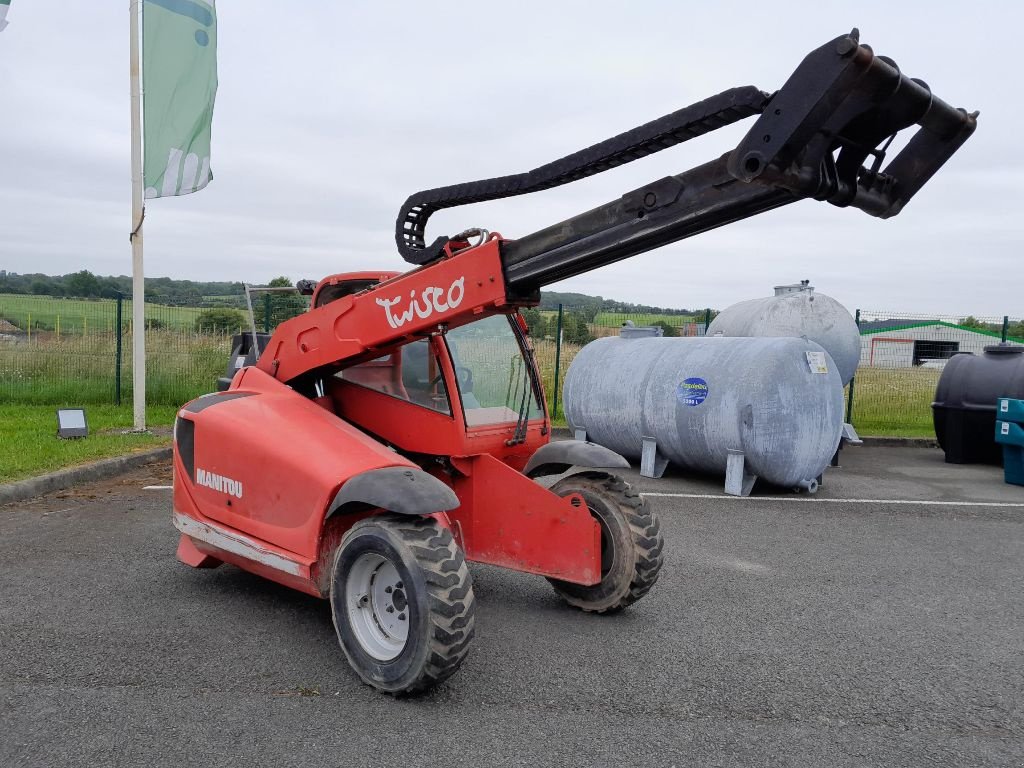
[(179, 83), (5, 5)]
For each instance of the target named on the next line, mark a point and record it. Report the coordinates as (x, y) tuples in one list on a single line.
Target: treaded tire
[(439, 591), (631, 544)]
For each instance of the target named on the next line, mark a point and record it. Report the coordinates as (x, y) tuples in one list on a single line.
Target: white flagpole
[(138, 211)]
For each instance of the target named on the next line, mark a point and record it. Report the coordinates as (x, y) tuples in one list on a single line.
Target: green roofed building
[(903, 343)]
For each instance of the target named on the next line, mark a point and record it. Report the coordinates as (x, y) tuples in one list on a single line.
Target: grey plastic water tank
[(796, 310), (772, 406)]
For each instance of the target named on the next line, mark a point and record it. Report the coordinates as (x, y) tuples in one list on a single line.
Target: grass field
[(41, 375), (894, 401), (181, 365), (616, 319), (78, 316), (29, 444), (887, 401), (81, 369)]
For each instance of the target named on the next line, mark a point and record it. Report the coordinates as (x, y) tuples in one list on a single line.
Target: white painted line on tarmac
[(815, 500), (157, 487)]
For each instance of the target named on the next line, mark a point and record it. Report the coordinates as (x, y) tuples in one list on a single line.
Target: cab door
[(404, 398)]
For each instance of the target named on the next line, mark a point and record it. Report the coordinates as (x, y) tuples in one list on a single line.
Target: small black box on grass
[(71, 422)]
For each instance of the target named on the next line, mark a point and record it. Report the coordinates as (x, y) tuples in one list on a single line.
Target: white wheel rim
[(376, 605)]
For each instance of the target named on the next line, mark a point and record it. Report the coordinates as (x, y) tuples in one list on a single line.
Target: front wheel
[(402, 602), (631, 544)]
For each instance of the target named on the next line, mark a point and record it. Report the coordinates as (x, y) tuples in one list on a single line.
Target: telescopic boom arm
[(824, 136), (842, 106)]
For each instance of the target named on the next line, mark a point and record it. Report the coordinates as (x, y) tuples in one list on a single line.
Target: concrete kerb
[(67, 478)]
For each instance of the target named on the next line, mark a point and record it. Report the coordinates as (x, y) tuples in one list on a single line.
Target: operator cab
[(474, 383), (480, 374)]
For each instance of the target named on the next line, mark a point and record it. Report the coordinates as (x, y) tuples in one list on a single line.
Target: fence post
[(558, 360), (266, 313), (1006, 327), (117, 353), (707, 320), (849, 398)]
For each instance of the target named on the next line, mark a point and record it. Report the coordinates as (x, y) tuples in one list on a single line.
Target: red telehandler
[(398, 428)]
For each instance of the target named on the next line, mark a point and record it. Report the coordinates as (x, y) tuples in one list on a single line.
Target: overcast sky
[(330, 114)]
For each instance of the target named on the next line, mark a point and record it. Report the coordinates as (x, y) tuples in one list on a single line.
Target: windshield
[(493, 376)]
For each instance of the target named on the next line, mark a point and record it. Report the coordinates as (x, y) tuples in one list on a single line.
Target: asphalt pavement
[(860, 627)]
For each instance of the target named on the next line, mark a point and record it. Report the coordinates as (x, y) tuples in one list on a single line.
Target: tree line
[(85, 285), (1015, 329), (591, 306), (575, 325)]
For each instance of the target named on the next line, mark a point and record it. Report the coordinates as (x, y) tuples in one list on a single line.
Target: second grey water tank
[(779, 401), (796, 310)]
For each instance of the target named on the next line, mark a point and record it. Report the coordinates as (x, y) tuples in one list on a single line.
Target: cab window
[(410, 373), (492, 373)]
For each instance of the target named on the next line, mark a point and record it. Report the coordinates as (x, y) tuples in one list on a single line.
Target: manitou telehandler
[(398, 428)]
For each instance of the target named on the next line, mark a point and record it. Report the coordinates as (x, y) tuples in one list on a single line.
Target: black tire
[(437, 601), (631, 544)]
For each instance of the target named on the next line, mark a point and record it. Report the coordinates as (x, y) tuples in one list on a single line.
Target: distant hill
[(194, 293)]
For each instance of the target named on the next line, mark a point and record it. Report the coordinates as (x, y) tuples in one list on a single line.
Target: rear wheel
[(402, 602), (631, 544)]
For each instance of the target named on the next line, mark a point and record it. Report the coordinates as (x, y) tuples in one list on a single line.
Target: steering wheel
[(465, 378)]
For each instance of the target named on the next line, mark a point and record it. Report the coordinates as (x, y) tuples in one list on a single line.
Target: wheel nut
[(390, 609), (398, 585), (401, 617), (387, 590)]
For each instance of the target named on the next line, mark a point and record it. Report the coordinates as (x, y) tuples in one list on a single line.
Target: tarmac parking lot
[(878, 623)]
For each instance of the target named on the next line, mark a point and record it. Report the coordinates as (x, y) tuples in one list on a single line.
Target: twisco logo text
[(219, 483), (426, 305)]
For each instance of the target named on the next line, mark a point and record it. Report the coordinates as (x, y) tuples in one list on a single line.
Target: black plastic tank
[(243, 354), (964, 411)]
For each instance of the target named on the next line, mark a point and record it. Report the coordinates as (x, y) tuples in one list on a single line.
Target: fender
[(404, 490), (555, 458)]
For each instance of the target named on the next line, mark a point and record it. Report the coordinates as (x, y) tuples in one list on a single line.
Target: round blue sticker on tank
[(692, 391)]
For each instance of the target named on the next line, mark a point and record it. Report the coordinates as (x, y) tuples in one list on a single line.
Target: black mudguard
[(403, 490), (557, 457)]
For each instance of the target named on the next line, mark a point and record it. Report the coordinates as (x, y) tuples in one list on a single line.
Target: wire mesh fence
[(56, 350), (53, 350), (902, 358), (61, 351)]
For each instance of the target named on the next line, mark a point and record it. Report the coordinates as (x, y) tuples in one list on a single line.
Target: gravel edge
[(86, 473)]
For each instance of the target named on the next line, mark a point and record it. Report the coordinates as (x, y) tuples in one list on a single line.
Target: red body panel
[(509, 520), (268, 460), (290, 456)]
